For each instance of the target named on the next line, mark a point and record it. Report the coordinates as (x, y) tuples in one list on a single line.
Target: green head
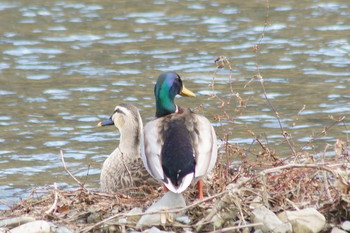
[(168, 85)]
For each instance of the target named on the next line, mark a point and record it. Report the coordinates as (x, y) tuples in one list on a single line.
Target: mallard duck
[(124, 168), (180, 147)]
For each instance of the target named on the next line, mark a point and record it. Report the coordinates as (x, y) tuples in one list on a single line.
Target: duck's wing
[(204, 144), (203, 139), (151, 151)]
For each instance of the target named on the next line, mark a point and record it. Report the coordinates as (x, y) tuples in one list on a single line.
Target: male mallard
[(179, 146), (124, 167)]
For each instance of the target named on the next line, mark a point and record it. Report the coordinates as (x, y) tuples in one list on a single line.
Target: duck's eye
[(118, 111), (178, 79)]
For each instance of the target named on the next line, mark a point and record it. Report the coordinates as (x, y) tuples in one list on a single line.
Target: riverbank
[(235, 197)]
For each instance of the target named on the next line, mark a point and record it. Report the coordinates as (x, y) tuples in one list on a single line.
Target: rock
[(33, 227), (270, 222), (13, 222), (218, 221), (183, 219), (122, 221), (304, 221), (337, 230), (59, 229), (94, 218), (155, 230), (258, 231), (135, 211), (345, 225), (256, 202), (169, 201)]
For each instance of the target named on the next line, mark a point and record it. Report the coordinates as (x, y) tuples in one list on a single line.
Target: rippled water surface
[(64, 65)]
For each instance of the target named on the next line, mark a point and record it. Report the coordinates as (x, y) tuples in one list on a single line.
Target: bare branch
[(54, 205), (65, 168)]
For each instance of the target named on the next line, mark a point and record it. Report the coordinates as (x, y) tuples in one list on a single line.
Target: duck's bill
[(186, 92), (106, 122)]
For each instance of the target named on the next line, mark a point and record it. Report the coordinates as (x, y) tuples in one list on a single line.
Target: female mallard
[(179, 146), (124, 168)]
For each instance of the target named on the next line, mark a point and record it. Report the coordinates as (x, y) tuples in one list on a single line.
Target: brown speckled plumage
[(124, 168)]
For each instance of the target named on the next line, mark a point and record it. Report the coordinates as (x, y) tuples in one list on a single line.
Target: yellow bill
[(186, 92)]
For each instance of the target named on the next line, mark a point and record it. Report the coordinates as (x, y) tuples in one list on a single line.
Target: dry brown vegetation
[(232, 193)]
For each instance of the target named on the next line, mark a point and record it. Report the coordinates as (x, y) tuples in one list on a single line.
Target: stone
[(270, 222), (169, 201), (183, 219), (218, 221), (337, 230), (304, 221), (136, 217), (155, 230), (14, 222), (59, 229), (122, 221), (33, 227), (258, 231), (345, 225), (94, 218), (256, 202)]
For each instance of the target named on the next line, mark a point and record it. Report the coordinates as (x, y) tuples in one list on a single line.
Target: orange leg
[(200, 189), (165, 188)]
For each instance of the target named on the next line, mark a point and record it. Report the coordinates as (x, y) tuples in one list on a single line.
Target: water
[(66, 64)]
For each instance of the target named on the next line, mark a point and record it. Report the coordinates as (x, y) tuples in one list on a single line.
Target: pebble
[(337, 230), (135, 211), (170, 200), (307, 220), (60, 229), (345, 226), (183, 219), (155, 230), (270, 222), (94, 218), (13, 222), (33, 227)]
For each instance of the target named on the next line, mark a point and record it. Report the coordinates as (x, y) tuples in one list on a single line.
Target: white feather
[(186, 181), (206, 149), (151, 150)]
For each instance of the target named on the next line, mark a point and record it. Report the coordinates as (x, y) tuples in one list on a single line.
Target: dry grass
[(232, 193)]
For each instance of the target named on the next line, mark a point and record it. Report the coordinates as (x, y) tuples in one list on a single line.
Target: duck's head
[(168, 85), (124, 116)]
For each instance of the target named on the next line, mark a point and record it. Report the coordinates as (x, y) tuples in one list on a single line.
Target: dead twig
[(324, 131), (295, 165), (259, 77), (66, 169), (283, 132), (237, 227), (54, 205)]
